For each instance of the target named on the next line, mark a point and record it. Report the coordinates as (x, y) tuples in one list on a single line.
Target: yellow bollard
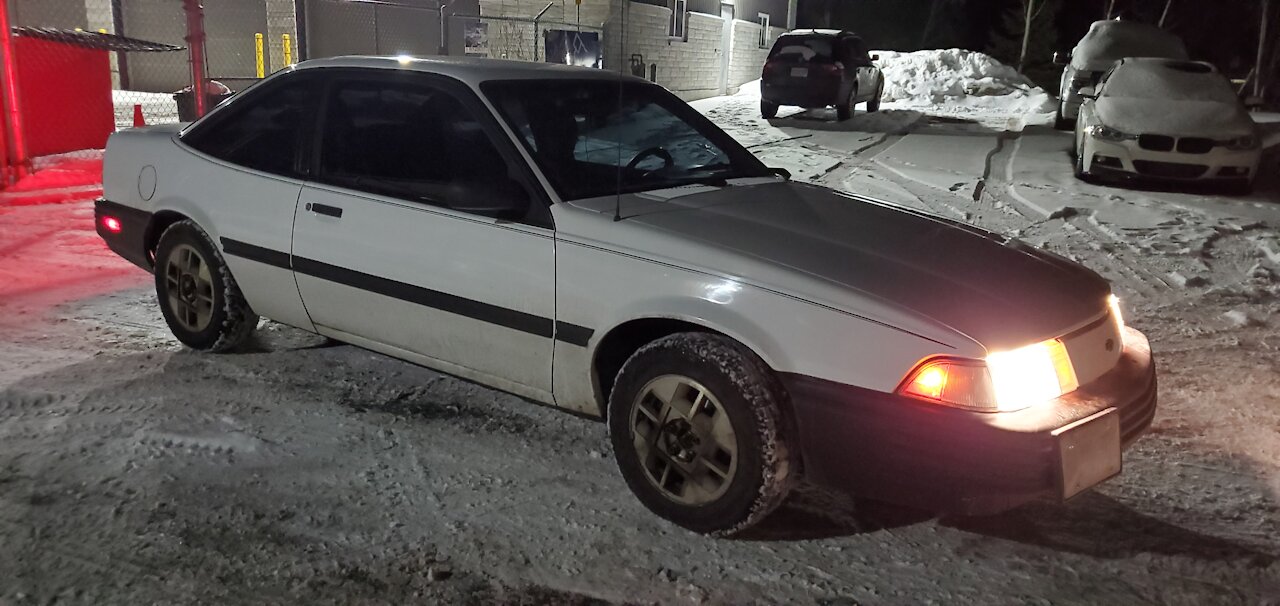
[(257, 48), (287, 44)]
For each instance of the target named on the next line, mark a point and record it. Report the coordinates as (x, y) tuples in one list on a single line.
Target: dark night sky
[(1222, 31)]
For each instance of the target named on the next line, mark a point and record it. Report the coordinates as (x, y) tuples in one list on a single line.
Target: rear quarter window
[(798, 49)]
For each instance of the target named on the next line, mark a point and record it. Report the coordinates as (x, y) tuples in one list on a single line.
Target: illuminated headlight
[(1241, 143), (1031, 375), (1005, 381), (1106, 133)]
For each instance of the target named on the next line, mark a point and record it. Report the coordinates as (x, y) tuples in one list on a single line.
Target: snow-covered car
[(590, 242), (818, 68), (1167, 120), (1104, 44)]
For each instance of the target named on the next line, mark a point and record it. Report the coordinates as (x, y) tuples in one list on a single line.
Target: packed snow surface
[(960, 78)]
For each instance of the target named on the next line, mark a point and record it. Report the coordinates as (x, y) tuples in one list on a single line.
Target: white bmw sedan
[(590, 242), (1168, 120)]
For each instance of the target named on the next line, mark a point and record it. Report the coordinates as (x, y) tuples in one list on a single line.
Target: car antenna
[(617, 192)]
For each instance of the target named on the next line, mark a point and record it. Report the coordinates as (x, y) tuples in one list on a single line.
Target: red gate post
[(195, 46), (16, 162)]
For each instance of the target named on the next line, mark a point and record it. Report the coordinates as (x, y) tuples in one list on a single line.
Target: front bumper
[(131, 241), (1218, 165), (899, 449)]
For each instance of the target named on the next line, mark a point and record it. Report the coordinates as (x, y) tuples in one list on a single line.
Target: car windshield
[(595, 137), (1169, 80), (803, 49)]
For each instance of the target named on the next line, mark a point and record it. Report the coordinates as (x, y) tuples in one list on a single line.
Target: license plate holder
[(799, 72), (1088, 452)]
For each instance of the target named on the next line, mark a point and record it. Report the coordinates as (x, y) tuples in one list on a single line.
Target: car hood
[(796, 238), (1185, 118)]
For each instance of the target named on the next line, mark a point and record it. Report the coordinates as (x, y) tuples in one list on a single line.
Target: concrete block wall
[(689, 68), (747, 58)]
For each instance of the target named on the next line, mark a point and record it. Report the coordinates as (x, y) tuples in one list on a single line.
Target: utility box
[(64, 86)]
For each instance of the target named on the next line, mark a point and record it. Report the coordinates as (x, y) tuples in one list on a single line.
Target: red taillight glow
[(112, 224)]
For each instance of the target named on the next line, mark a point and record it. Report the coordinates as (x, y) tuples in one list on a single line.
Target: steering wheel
[(665, 155)]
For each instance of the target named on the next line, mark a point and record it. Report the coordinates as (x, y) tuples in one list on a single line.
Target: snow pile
[(960, 78)]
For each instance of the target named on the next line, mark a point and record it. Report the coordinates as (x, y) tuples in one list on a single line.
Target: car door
[(421, 237), (246, 187)]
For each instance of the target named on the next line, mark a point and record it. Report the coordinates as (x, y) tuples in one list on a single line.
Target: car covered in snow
[(818, 68), (1167, 120), (590, 242), (1104, 44)]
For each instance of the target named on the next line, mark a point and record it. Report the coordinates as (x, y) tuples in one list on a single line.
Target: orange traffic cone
[(138, 119)]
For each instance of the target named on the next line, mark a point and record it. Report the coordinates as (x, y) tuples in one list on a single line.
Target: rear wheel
[(199, 299), (845, 111), (699, 432), (768, 110)]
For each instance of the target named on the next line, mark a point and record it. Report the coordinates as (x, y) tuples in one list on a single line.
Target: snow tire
[(232, 321), (756, 404), (768, 110)]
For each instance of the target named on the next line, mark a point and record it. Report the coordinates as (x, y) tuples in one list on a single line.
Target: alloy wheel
[(189, 286), (685, 440)]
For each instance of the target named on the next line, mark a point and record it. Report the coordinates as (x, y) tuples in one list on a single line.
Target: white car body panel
[(437, 249), (1104, 44), (225, 200)]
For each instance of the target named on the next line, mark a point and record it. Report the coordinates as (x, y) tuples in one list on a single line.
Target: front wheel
[(1060, 121), (199, 299), (700, 434)]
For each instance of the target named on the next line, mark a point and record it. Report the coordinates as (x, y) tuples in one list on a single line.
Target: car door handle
[(325, 209)]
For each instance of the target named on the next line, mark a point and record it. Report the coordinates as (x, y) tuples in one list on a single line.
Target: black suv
[(815, 68)]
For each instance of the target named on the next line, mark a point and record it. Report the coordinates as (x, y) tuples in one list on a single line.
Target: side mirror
[(1252, 102), (875, 57), (1061, 58), (781, 172), (503, 199), (1088, 92)]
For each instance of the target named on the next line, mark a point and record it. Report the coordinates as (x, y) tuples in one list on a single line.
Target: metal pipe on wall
[(16, 158)]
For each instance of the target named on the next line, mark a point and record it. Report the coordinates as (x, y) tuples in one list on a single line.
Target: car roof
[(1158, 63), (818, 32), (472, 70)]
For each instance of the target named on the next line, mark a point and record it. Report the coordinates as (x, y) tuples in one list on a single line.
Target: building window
[(764, 30), (679, 17)]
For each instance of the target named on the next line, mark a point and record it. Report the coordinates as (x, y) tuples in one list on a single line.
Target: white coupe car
[(1161, 119), (590, 242)]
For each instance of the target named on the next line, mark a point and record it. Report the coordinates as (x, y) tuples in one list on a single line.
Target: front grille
[(1156, 142), (1174, 170), (1195, 145)]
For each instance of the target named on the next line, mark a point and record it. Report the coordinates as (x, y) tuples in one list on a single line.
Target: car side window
[(264, 131), (409, 140)]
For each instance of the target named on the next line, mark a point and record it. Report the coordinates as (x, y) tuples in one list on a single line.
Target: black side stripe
[(573, 334), (470, 308), (256, 253)]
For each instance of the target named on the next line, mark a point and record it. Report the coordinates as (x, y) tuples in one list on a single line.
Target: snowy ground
[(134, 471)]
